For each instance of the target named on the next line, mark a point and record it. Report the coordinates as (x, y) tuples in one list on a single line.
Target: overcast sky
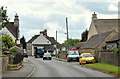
[(37, 15)]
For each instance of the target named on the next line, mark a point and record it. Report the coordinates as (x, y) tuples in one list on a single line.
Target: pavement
[(25, 72)]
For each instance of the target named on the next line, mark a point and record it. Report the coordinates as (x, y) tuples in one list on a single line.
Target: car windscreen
[(87, 55), (47, 54), (73, 53), (40, 51)]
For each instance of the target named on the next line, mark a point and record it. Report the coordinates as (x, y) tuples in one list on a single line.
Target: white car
[(72, 56), (47, 56)]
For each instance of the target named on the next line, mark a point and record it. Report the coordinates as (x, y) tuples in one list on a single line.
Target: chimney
[(44, 33), (94, 16), (16, 21)]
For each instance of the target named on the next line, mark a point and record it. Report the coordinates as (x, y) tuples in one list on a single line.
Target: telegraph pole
[(67, 45), (67, 28), (56, 45), (56, 36)]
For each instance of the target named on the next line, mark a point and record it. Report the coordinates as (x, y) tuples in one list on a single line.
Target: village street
[(55, 68)]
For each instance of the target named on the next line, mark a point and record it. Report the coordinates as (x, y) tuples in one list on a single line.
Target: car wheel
[(80, 63)]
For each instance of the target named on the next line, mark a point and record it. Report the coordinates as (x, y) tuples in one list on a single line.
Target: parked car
[(47, 56), (72, 56), (86, 58)]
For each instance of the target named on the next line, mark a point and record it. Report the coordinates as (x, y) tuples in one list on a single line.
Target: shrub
[(13, 50)]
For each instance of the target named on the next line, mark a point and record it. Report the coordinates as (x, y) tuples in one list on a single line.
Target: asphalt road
[(55, 68)]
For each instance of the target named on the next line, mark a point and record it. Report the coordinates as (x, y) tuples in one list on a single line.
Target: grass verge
[(105, 67)]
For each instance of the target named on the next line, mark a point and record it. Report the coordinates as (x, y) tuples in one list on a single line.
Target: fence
[(108, 57)]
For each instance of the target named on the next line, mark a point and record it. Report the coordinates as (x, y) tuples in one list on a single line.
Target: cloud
[(112, 7), (37, 15)]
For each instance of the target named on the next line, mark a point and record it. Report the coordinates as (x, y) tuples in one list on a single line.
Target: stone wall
[(4, 60), (0, 67)]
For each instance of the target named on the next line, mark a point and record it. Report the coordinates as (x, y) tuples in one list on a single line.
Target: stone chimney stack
[(16, 21), (94, 16), (44, 33)]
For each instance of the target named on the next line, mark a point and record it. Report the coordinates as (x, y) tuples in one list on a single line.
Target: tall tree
[(84, 36), (3, 17), (23, 42), (7, 41)]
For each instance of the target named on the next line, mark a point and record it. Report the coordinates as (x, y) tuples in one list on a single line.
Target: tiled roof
[(10, 26), (80, 44), (96, 40), (51, 39), (105, 25), (33, 38)]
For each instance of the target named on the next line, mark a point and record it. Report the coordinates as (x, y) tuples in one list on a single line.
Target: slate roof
[(105, 25), (10, 26), (51, 39), (33, 38), (79, 45), (96, 40)]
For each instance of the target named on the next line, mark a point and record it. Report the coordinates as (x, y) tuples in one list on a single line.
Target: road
[(55, 68)]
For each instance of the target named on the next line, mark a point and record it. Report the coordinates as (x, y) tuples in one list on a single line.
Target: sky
[(38, 15)]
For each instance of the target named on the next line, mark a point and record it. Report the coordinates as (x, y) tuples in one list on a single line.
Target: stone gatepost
[(0, 66)]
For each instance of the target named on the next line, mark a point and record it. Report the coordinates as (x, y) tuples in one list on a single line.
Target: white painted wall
[(32, 50), (6, 31), (41, 40)]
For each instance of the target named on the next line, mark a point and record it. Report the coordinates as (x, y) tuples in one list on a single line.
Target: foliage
[(116, 50), (105, 67), (84, 36), (72, 42), (23, 42), (13, 50), (3, 14), (7, 41)]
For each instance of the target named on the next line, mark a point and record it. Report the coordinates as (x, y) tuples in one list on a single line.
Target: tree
[(7, 41), (3, 17), (23, 42), (84, 36), (72, 42)]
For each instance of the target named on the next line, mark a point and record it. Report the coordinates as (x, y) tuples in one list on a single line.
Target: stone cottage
[(100, 31)]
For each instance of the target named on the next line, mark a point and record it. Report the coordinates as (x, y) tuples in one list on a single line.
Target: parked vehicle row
[(84, 58)]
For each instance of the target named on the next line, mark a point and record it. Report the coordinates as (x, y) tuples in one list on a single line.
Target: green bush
[(13, 50), (116, 50)]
